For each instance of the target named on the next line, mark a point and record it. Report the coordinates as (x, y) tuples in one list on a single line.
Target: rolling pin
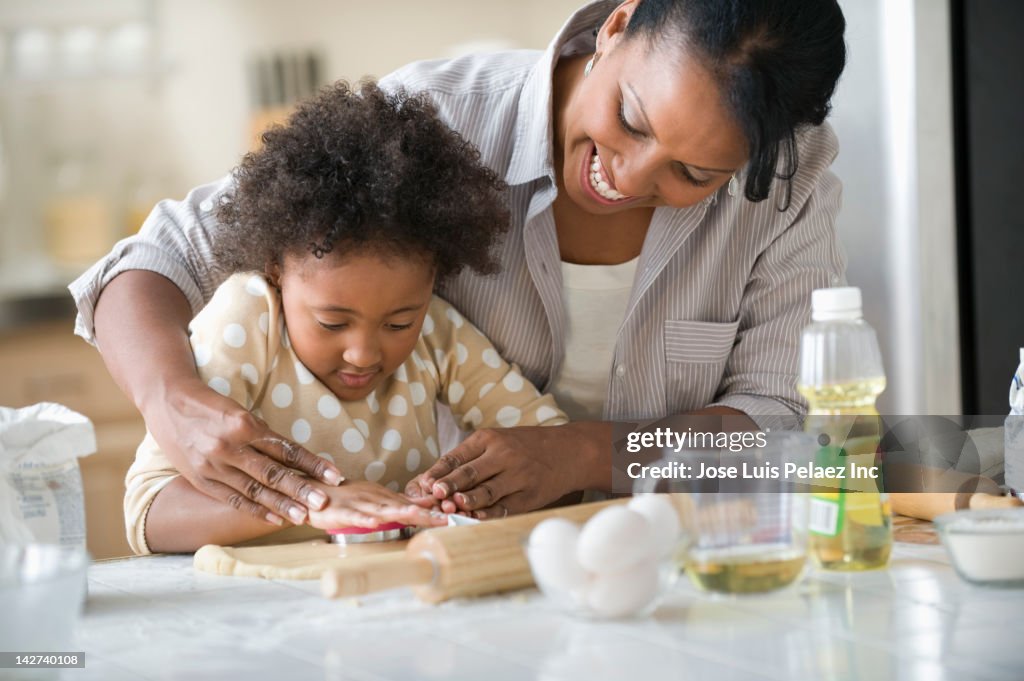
[(929, 492), (929, 505), (451, 562)]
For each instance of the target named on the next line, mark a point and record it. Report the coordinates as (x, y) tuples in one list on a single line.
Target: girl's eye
[(625, 124), (399, 327), (332, 327)]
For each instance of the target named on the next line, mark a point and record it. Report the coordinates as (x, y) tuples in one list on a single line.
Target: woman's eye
[(332, 327), (685, 173), (695, 182), (625, 124)]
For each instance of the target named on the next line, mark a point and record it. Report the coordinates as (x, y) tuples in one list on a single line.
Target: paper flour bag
[(41, 497)]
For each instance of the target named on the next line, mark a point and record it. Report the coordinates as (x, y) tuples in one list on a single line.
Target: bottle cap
[(835, 303)]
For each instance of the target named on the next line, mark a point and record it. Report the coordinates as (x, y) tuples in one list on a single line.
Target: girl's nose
[(363, 351)]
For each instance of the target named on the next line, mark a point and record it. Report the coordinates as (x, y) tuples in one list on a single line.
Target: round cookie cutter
[(369, 535)]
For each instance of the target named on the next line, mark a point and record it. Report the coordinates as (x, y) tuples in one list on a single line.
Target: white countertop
[(157, 618)]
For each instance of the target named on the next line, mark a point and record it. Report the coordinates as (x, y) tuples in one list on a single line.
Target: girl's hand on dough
[(369, 504)]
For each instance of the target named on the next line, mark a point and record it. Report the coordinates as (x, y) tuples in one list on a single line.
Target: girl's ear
[(272, 270)]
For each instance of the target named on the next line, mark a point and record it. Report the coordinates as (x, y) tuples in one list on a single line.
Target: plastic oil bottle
[(1013, 433), (841, 375)]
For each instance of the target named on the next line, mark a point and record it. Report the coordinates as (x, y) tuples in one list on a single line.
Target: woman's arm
[(218, 446), (141, 326), (141, 320)]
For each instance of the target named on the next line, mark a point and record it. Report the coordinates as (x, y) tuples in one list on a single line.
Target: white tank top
[(595, 299)]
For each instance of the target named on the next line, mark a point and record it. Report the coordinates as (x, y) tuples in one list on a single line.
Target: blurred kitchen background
[(107, 106)]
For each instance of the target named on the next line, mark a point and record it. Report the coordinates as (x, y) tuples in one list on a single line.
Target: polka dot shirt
[(241, 349)]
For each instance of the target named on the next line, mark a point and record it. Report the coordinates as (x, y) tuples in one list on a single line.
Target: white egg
[(614, 539), (661, 514), (623, 593), (551, 551)]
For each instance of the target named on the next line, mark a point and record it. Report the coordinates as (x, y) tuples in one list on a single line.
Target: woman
[(672, 210)]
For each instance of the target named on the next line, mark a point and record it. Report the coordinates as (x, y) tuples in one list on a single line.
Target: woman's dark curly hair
[(358, 169)]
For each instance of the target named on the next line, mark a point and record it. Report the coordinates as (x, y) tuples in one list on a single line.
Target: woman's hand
[(368, 504), (229, 454), (221, 449), (496, 472)]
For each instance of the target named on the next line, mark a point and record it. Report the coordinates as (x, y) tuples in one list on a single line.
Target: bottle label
[(826, 513), (828, 506)]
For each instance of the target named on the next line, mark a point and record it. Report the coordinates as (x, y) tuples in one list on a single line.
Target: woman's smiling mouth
[(597, 180)]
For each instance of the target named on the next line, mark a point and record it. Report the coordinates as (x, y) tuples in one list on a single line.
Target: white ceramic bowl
[(986, 546)]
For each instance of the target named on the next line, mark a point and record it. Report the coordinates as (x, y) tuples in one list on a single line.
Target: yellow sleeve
[(149, 473), (480, 387), (233, 339)]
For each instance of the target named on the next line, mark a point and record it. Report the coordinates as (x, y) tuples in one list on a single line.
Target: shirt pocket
[(695, 358), (699, 342)]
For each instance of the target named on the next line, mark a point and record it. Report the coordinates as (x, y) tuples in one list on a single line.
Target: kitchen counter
[(158, 618)]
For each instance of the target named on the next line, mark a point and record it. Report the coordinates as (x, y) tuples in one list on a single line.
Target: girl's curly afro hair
[(358, 169)]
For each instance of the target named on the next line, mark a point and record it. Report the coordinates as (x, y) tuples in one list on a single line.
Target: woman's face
[(354, 320), (646, 128)]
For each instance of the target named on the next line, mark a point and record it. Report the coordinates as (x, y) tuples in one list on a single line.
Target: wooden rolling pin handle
[(452, 562), (979, 500), (369, 574), (929, 505)]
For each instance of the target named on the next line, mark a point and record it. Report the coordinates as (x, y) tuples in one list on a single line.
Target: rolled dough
[(304, 560)]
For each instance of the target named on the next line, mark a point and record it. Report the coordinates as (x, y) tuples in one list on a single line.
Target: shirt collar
[(532, 155)]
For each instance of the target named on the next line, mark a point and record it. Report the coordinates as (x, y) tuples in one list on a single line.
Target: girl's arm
[(181, 519)]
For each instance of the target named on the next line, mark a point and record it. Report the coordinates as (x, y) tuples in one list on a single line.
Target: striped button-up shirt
[(722, 288)]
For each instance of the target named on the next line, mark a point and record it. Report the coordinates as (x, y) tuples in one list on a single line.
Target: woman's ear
[(614, 26)]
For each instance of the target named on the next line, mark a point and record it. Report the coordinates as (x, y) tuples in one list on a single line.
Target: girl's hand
[(229, 454), (497, 472), (368, 504)]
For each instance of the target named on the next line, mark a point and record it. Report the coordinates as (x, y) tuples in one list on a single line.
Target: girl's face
[(648, 122), (354, 320)]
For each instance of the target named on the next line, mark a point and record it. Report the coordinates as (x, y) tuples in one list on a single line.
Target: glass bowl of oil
[(745, 511), (747, 543)]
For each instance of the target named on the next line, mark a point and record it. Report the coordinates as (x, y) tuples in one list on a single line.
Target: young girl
[(337, 232)]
